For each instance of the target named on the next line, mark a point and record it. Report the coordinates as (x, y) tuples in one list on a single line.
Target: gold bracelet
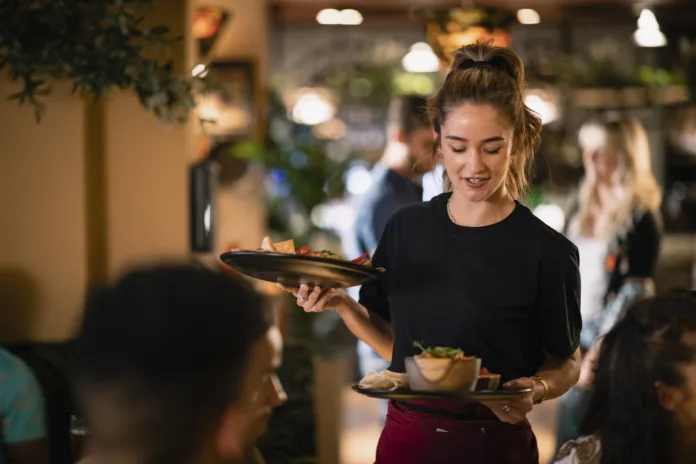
[(544, 384)]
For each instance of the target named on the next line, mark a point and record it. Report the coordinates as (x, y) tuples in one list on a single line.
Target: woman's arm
[(559, 374), (368, 327), (363, 323), (559, 325)]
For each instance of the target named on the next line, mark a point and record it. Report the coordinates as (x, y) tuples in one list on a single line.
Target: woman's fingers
[(510, 412), (311, 301), (324, 298), (288, 289)]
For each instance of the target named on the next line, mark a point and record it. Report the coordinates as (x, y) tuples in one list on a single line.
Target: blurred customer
[(177, 365), (642, 409), (23, 430), (395, 183), (616, 226)]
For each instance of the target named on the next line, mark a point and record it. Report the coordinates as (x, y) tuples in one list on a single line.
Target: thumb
[(512, 384)]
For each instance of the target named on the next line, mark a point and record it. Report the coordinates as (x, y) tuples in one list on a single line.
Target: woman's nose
[(475, 161)]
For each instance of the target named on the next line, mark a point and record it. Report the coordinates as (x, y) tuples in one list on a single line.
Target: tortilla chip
[(268, 245), (287, 246)]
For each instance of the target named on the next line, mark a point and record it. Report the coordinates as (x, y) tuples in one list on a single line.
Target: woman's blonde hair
[(633, 176)]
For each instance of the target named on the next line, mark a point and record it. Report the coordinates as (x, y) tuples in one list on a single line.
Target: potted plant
[(96, 45), (599, 83), (665, 87)]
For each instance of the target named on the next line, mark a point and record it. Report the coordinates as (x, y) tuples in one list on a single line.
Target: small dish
[(442, 374)]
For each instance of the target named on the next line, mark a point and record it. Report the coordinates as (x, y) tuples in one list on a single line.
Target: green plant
[(658, 77), (580, 72), (97, 45)]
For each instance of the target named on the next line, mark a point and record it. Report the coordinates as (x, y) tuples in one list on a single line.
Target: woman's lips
[(475, 182)]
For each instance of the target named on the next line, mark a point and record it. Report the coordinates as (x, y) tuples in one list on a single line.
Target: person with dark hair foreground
[(643, 408), (472, 269), (176, 365)]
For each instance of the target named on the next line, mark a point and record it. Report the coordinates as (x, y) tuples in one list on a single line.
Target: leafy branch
[(96, 44)]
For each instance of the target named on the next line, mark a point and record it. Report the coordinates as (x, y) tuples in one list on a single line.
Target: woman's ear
[(669, 397)]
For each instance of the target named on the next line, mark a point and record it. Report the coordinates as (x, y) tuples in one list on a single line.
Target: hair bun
[(483, 55)]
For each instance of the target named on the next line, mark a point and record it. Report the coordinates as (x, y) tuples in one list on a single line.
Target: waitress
[(472, 269)]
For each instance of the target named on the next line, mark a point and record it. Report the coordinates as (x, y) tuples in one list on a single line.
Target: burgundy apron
[(466, 433)]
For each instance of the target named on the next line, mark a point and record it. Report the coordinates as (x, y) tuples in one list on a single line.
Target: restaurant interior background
[(288, 118)]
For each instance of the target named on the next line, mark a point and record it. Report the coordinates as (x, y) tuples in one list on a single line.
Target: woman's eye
[(494, 151), (458, 150)]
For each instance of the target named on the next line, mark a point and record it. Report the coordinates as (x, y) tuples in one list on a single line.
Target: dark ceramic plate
[(412, 395), (295, 270)]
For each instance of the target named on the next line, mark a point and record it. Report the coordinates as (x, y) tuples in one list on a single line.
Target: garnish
[(440, 351)]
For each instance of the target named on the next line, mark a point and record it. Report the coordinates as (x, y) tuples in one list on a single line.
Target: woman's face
[(476, 142), (601, 159)]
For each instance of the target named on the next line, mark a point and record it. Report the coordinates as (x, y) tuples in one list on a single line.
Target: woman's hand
[(515, 409), (318, 300)]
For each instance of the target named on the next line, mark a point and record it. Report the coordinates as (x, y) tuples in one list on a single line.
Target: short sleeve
[(372, 294), (23, 415), (559, 301), (643, 246)]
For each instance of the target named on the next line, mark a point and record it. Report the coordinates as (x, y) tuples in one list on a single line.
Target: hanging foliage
[(97, 45)]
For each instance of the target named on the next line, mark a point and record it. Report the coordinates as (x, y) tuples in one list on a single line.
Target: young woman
[(615, 225), (472, 268), (642, 410)]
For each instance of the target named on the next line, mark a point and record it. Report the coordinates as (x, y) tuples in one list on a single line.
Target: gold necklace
[(449, 213)]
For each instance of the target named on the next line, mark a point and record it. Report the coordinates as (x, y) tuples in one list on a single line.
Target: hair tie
[(480, 64)]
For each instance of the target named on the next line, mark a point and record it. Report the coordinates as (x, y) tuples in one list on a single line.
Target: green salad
[(439, 351)]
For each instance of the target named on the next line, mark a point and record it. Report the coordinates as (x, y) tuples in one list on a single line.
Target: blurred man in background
[(396, 181), (177, 365)]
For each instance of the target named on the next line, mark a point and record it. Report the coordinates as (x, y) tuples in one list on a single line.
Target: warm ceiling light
[(351, 17), (648, 33), (528, 16), (421, 59), (329, 16)]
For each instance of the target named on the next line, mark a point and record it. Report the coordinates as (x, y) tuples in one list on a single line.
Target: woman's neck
[(479, 214)]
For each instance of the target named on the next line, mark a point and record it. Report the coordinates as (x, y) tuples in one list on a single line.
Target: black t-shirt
[(507, 293)]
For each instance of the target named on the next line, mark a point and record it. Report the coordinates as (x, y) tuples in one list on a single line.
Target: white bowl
[(442, 374)]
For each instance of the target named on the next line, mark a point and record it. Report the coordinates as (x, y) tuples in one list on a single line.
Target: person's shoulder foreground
[(22, 404), (584, 450)]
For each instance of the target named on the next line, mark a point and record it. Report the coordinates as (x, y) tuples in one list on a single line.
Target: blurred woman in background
[(616, 226), (643, 410)]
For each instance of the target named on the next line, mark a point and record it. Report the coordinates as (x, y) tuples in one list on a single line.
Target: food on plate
[(487, 381), (442, 368), (288, 247), (441, 352), (385, 380)]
